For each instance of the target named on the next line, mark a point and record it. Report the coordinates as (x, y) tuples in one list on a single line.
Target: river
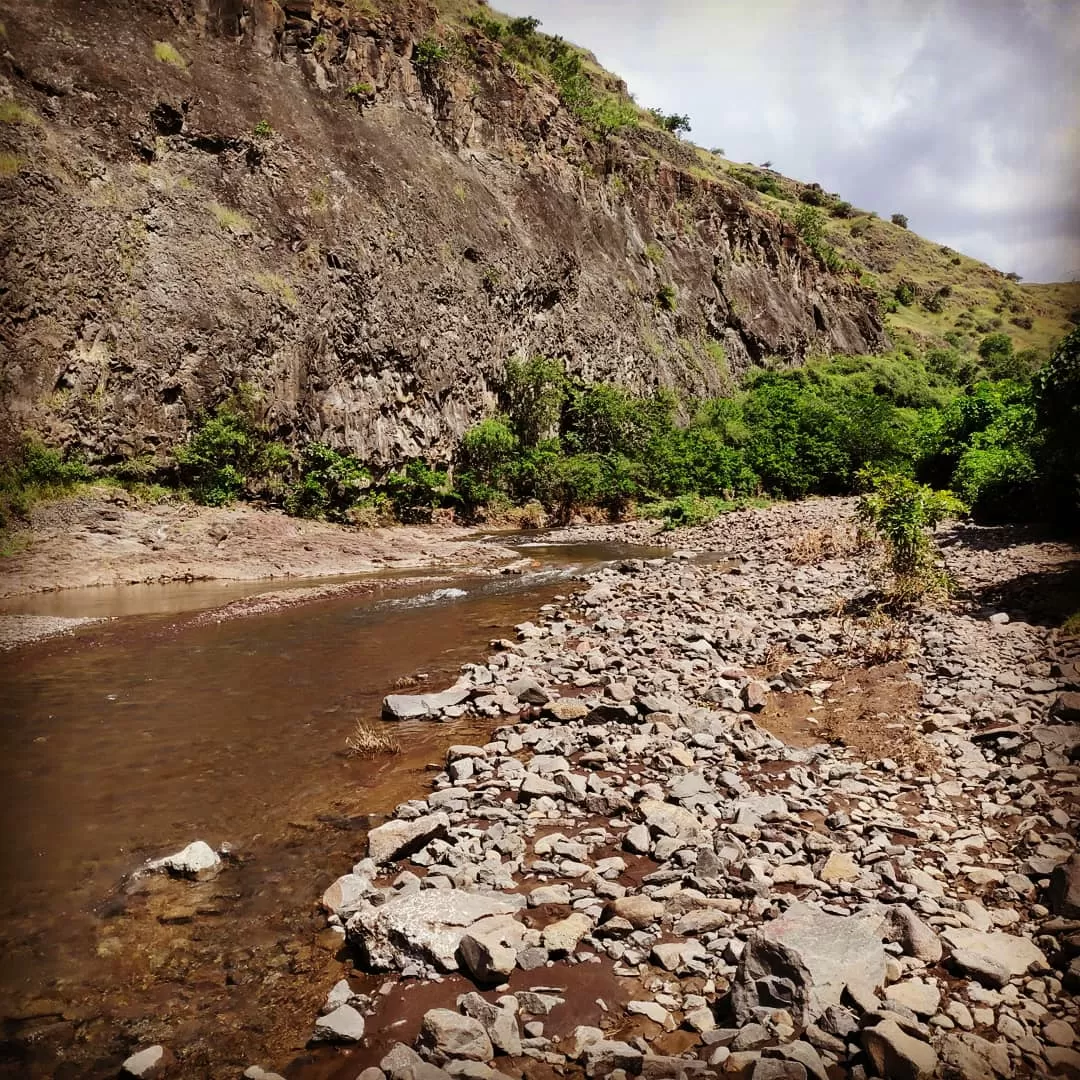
[(136, 735)]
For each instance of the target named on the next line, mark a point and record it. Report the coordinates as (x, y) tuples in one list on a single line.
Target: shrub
[(330, 483), (813, 195), (230, 453), (34, 472), (1057, 405), (416, 491), (430, 54), (360, 90), (262, 130), (905, 293), (902, 512), (996, 481), (1025, 322), (843, 209), (491, 28), (666, 297), (899, 219)]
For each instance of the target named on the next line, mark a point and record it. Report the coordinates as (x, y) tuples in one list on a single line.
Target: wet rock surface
[(873, 873)]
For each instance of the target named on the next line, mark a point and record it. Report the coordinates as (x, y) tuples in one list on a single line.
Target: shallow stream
[(166, 724)]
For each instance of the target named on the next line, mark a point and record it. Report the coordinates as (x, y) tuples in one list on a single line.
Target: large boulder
[(343, 1024), (670, 820), (425, 926), (396, 839), (804, 960), (488, 950)]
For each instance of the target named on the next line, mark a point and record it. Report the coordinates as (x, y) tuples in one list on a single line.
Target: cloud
[(962, 115)]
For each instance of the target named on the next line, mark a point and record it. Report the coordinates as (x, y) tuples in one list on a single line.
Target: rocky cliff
[(201, 192)]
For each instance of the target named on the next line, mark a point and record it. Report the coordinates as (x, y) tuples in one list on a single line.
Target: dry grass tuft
[(366, 741), (831, 542)]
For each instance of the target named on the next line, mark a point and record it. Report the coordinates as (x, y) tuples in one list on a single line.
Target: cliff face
[(193, 196)]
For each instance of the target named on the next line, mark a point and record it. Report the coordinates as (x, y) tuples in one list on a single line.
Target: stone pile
[(767, 910)]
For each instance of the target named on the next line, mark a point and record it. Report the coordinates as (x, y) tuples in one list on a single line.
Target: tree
[(899, 219), (996, 351), (673, 122), (536, 390), (1057, 397)]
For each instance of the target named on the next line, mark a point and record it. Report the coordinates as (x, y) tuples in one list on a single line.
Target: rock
[(549, 894), (896, 1055), (915, 994), (1007, 952), (499, 1021), (427, 925), (452, 1035), (1063, 1061), (396, 839), (563, 936), (700, 1020), (675, 957), (152, 1061), (370, 1073), (605, 1055), (422, 706), (804, 960), (535, 787), (805, 1055), (975, 1058), (1063, 896), (1059, 1032), (1067, 707), (980, 967), (637, 840), (839, 866), (701, 922), (404, 1063), (198, 861), (255, 1072), (639, 911), (343, 1025), (777, 1069), (346, 894), (488, 950), (914, 936), (670, 820), (651, 1010), (755, 694)]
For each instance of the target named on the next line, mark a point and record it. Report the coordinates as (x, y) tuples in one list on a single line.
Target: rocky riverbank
[(739, 823), (105, 536)]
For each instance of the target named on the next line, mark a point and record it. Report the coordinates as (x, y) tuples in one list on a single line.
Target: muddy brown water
[(135, 736)]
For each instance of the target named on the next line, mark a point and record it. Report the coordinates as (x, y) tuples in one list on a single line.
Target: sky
[(962, 114)]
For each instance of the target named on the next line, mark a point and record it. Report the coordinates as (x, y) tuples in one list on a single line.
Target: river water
[(134, 736)]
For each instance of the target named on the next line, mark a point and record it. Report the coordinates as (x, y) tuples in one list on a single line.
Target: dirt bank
[(108, 537)]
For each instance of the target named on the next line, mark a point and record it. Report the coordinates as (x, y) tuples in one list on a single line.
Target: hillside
[(362, 208), (956, 299)]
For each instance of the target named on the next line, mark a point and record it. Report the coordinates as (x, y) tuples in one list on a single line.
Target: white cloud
[(961, 115)]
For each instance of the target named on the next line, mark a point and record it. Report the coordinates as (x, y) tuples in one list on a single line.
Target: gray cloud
[(962, 114)]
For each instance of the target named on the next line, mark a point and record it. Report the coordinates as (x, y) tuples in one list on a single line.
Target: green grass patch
[(11, 112), (230, 220), (10, 164), (166, 53)]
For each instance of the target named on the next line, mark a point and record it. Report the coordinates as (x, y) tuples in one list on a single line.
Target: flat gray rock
[(804, 960), (396, 839), (427, 926)]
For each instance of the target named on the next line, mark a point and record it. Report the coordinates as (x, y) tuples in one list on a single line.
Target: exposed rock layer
[(371, 259)]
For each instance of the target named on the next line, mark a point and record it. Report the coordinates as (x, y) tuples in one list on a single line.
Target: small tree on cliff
[(535, 391)]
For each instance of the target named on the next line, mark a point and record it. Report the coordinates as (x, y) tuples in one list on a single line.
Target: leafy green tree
[(535, 390)]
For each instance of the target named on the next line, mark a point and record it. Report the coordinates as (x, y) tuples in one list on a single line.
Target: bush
[(673, 122), (666, 297), (905, 293), (899, 219), (330, 484), (430, 54), (842, 209), (996, 481), (902, 511), (230, 454), (36, 471), (1057, 407), (416, 491)]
